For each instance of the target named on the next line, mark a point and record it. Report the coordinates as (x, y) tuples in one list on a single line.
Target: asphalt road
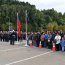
[(21, 55)]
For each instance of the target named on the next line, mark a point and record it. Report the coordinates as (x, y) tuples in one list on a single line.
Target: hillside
[(37, 19)]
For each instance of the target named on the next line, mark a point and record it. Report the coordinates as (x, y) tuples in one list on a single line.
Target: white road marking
[(11, 49), (28, 58)]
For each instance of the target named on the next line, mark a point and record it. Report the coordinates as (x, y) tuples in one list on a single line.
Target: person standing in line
[(49, 40), (46, 39), (57, 39), (62, 43), (43, 40), (38, 38)]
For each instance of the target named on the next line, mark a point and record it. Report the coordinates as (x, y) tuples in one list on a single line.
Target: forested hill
[(38, 20)]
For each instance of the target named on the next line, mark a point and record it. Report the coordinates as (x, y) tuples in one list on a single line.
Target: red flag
[(18, 26)]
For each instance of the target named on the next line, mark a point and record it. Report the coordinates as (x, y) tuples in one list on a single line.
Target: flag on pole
[(18, 26)]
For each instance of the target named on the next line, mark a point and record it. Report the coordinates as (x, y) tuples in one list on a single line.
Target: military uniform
[(12, 38)]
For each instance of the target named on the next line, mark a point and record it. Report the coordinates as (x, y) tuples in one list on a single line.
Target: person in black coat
[(38, 39), (12, 37)]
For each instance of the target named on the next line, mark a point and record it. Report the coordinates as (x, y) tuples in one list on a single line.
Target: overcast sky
[(58, 5)]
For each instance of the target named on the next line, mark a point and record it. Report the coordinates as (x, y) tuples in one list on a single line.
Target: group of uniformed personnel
[(6, 36)]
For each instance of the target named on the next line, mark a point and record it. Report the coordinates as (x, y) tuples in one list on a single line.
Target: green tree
[(50, 26), (55, 26)]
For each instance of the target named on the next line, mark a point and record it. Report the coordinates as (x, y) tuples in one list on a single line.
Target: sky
[(58, 5)]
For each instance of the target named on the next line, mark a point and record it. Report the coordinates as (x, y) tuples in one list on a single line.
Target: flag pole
[(9, 24), (26, 27), (17, 28)]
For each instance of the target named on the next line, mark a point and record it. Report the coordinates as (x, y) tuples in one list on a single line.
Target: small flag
[(18, 26)]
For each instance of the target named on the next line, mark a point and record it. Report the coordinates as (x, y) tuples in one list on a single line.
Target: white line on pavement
[(28, 58)]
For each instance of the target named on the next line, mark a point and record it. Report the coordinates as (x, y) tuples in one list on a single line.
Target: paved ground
[(21, 55)]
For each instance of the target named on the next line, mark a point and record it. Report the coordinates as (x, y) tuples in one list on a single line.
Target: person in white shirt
[(57, 39)]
